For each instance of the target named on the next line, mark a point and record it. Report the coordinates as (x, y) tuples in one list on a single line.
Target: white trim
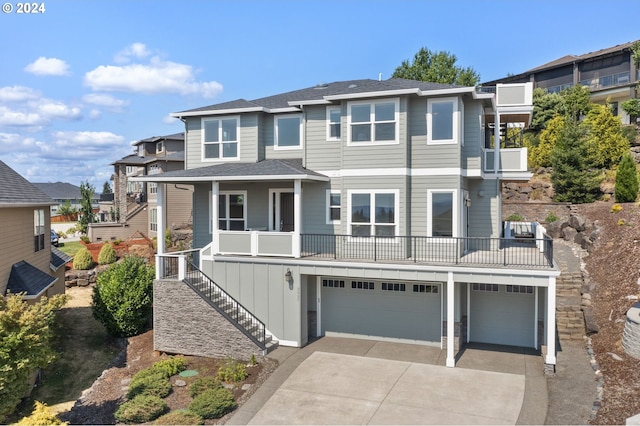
[(456, 119), (372, 222), (219, 142), (382, 338), (244, 206), (277, 207), (403, 171), (451, 360), (300, 132), (379, 94), (372, 122), (456, 91), (455, 213), (310, 102), (243, 178), (217, 112), (328, 206), (328, 125)]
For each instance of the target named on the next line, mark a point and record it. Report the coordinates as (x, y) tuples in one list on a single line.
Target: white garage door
[(376, 309), (502, 315)]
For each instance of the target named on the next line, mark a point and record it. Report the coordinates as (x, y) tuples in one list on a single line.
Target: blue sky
[(83, 80)]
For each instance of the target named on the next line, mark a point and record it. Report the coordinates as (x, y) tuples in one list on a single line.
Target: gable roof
[(136, 160), (59, 190), (173, 137), (26, 278), (16, 191), (58, 258), (320, 94)]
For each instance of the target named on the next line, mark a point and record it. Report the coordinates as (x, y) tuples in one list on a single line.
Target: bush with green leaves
[(123, 297), (551, 217), (154, 383), (213, 403), (202, 384), (26, 333), (626, 189), (107, 255), (515, 217), (142, 408), (83, 259), (170, 366), (232, 371), (180, 417), (41, 415)]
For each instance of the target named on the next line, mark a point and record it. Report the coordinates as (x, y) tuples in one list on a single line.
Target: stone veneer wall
[(183, 323), (459, 331)]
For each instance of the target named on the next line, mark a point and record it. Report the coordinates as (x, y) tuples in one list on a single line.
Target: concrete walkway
[(352, 381)]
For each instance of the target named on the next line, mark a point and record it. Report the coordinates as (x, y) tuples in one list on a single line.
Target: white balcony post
[(550, 326), (215, 235), (496, 143), (297, 216), (161, 221), (182, 267), (451, 358)]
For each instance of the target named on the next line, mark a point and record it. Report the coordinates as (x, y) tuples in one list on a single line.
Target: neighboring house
[(134, 204), (363, 208), (61, 192), (28, 262), (611, 75)]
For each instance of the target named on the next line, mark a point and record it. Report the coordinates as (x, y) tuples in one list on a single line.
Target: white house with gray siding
[(367, 209)]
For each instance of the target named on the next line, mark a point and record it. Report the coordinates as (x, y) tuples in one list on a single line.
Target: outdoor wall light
[(288, 277)]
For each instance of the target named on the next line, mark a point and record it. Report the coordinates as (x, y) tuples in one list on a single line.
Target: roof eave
[(376, 94), (239, 178), (216, 112)]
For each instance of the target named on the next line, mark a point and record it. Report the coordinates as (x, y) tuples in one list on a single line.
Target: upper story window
[(443, 121), (38, 229), (154, 169), (288, 132), (373, 122), (334, 115), (333, 207), (153, 220), (373, 213), (220, 138), (141, 150), (159, 147)]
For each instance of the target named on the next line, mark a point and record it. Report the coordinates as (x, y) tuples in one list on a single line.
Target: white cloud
[(24, 107), (156, 77), (15, 143), (168, 119), (48, 66), (9, 117), (52, 109), (135, 51), (105, 100), (17, 94)]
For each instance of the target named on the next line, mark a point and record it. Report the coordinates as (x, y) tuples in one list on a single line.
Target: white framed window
[(232, 211), (522, 289), (373, 213), (220, 138), (443, 121), (334, 204), (159, 147), (442, 213), (491, 288), (288, 132), (154, 169), (373, 122), (153, 219), (141, 150), (153, 188), (38, 229), (334, 115)]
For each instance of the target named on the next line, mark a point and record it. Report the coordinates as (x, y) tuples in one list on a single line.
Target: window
[(288, 132), (333, 123), (220, 138), (363, 285), (425, 288), (153, 220), (160, 147), (441, 215), (373, 213), (333, 283), (153, 188), (442, 121), (373, 122), (38, 229), (394, 286), (232, 211), (333, 207), (492, 288), (522, 289)]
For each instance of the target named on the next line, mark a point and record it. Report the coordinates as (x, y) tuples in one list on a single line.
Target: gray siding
[(420, 187), (473, 136), (322, 154), (201, 232), (484, 218)]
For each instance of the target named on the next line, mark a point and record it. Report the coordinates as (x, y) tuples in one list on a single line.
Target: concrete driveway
[(350, 381)]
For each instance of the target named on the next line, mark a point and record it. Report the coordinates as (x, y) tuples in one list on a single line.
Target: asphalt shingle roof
[(14, 189), (26, 278), (174, 136), (59, 190), (136, 160), (59, 258)]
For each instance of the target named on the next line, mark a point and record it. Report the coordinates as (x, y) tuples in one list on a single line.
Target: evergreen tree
[(573, 178), (626, 180), (86, 193)]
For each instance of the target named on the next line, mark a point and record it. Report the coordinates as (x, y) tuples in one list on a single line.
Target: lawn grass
[(70, 247)]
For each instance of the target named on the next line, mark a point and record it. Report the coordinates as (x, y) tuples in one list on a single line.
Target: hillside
[(613, 276)]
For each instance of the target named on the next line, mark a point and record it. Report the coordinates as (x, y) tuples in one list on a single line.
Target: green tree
[(106, 188), (66, 210), (26, 344), (436, 67), (545, 107), (605, 142), (632, 108), (573, 178), (123, 297), (86, 205), (541, 155), (626, 180), (575, 102)]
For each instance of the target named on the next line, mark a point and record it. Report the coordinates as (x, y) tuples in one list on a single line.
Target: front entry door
[(282, 213)]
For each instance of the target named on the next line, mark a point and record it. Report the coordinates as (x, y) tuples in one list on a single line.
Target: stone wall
[(183, 323), (534, 211), (569, 316)]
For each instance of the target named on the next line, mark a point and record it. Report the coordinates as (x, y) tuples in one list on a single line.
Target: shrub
[(616, 208), (551, 217), (621, 222), (155, 384), (232, 371), (170, 366), (213, 404), (626, 189), (117, 242), (107, 255), (85, 239), (142, 408), (41, 415), (515, 217), (202, 384), (123, 298), (83, 259), (180, 417)]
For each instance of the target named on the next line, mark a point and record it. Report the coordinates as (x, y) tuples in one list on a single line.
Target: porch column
[(297, 216), (161, 221), (215, 237), (496, 142), (451, 356), (550, 326)]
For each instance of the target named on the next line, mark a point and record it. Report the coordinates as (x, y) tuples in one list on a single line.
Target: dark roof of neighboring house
[(16, 190), (175, 137), (319, 92), (59, 258), (135, 160), (26, 278), (59, 190)]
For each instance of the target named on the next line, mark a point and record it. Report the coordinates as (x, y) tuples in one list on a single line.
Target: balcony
[(511, 160), (607, 81), (531, 252)]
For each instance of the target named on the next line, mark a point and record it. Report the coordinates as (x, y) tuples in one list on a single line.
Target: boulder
[(578, 222), (569, 234)]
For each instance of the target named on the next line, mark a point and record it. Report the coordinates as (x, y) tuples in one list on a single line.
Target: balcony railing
[(606, 80), (511, 160)]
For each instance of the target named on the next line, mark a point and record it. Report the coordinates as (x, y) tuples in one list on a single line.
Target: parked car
[(54, 238)]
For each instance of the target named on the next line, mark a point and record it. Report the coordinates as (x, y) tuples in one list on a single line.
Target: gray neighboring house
[(610, 74), (29, 264), (63, 191), (363, 208)]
